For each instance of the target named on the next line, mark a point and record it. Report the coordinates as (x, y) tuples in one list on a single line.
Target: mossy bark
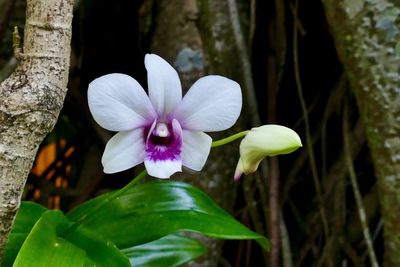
[(198, 41), (31, 99), (367, 38)]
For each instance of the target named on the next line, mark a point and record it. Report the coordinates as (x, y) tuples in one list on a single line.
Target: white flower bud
[(260, 142)]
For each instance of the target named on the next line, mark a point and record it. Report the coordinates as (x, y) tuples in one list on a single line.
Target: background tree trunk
[(367, 39), (31, 99), (198, 41)]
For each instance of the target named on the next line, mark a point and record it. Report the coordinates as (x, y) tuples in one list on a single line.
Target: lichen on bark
[(31, 99)]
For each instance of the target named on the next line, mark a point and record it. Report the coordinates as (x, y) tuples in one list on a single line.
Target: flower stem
[(121, 191), (229, 139), (106, 200), (114, 195)]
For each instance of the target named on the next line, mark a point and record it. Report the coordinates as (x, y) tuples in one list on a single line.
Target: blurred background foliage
[(114, 36)]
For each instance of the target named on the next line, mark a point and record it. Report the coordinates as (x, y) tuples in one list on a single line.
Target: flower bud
[(267, 140)]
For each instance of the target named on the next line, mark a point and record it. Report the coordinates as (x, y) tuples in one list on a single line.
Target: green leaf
[(169, 251), (43, 247), (152, 210), (28, 214), (54, 241), (98, 251)]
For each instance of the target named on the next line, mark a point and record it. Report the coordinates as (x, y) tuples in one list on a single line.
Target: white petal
[(123, 151), (118, 103), (163, 169), (213, 103), (165, 89), (195, 150)]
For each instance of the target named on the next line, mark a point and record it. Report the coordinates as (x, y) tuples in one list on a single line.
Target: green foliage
[(138, 221), (172, 250), (44, 247), (53, 242), (29, 213), (152, 210)]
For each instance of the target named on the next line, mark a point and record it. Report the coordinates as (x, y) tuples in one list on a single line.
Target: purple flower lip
[(164, 142)]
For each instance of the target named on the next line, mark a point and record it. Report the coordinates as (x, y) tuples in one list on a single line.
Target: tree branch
[(32, 98)]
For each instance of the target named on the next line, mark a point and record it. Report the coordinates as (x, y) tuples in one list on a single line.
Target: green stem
[(114, 195), (120, 192), (229, 139), (111, 197)]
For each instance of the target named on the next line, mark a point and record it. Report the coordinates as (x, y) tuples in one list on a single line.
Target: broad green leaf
[(54, 241), (149, 211), (28, 214), (169, 251), (43, 247), (98, 251)]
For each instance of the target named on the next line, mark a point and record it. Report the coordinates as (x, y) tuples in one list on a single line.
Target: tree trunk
[(199, 41), (367, 39), (31, 99)]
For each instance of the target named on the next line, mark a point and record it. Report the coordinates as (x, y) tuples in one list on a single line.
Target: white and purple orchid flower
[(163, 130)]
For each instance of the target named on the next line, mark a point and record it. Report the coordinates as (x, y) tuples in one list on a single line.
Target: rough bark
[(367, 39), (31, 99), (199, 41)]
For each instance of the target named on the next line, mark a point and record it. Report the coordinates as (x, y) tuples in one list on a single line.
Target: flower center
[(162, 134), (163, 141)]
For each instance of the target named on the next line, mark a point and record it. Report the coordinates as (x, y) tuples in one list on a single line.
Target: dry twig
[(356, 190)]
